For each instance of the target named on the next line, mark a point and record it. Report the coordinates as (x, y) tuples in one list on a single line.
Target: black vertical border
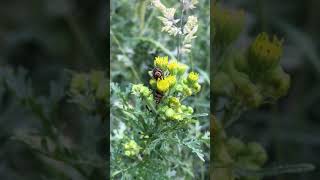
[(108, 97), (212, 133)]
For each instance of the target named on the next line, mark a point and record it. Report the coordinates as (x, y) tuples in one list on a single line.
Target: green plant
[(156, 130), (243, 80), (50, 147)]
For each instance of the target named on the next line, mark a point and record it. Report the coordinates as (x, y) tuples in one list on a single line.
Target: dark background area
[(41, 41), (289, 129)]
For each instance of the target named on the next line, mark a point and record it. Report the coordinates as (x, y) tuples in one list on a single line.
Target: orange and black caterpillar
[(157, 74), (158, 96)]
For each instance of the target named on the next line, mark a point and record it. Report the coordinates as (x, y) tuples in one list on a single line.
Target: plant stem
[(180, 35)]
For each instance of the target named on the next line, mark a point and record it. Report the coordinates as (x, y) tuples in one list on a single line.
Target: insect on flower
[(158, 96), (157, 73)]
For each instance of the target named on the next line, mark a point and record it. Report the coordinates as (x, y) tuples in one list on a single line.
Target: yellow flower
[(172, 66), (172, 80), (161, 62), (163, 85), (193, 77), (265, 52)]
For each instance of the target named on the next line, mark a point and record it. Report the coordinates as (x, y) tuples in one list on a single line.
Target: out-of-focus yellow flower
[(193, 77), (96, 77), (265, 52), (163, 85), (161, 62), (228, 25), (78, 83), (131, 148)]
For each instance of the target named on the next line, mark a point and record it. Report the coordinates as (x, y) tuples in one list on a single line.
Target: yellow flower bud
[(197, 87), (228, 24), (181, 69), (131, 148), (187, 91), (174, 102), (172, 80), (193, 77), (264, 52), (173, 67), (170, 113), (153, 83)]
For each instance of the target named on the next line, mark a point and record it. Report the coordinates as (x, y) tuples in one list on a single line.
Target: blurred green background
[(288, 129), (43, 135)]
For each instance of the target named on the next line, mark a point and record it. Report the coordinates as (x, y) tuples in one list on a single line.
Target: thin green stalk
[(180, 36)]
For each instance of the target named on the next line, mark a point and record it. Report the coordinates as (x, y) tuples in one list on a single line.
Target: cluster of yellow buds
[(161, 62), (174, 110), (95, 81), (173, 85), (176, 68), (265, 53), (256, 76), (142, 91), (249, 155), (173, 77), (131, 148)]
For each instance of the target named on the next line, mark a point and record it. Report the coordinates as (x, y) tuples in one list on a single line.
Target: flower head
[(181, 69), (174, 102), (193, 77), (172, 66), (161, 62), (163, 85), (265, 52), (228, 25), (172, 80)]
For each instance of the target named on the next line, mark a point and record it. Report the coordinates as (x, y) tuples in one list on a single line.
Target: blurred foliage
[(47, 130), (287, 129)]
